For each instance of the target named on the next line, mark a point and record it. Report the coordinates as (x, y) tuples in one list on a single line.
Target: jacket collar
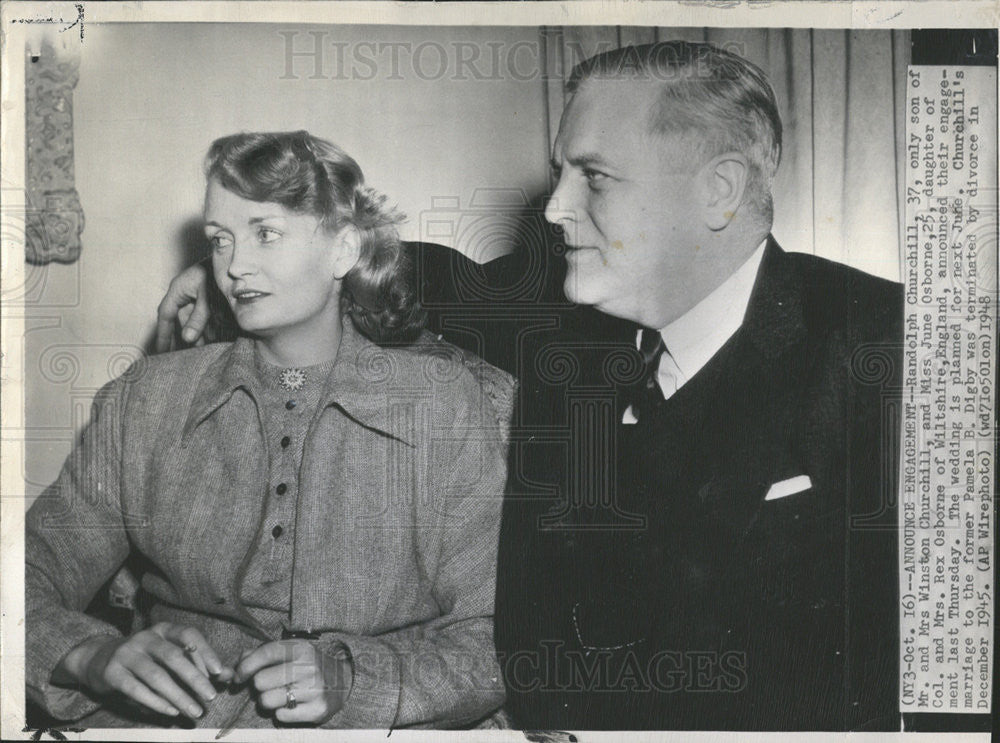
[(774, 321), (362, 375)]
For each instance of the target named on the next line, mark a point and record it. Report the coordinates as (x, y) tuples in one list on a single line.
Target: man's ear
[(347, 250), (725, 183)]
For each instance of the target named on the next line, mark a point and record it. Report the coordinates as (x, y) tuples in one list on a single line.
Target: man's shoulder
[(824, 276), (836, 295)]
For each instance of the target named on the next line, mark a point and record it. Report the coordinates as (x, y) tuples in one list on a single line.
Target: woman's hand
[(299, 681), (185, 303), (151, 667)]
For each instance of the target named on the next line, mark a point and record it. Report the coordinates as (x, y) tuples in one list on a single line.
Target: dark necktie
[(647, 393)]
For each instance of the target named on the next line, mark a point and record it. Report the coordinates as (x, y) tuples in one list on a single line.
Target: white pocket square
[(788, 487)]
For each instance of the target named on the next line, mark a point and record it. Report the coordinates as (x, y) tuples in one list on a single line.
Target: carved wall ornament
[(53, 213)]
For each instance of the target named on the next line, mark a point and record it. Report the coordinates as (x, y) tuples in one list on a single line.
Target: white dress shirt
[(697, 335)]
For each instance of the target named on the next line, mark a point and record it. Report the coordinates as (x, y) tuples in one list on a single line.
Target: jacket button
[(281, 489), (290, 405), (285, 441), (276, 531)]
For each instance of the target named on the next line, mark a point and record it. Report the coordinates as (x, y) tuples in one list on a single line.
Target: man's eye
[(594, 177), (267, 235)]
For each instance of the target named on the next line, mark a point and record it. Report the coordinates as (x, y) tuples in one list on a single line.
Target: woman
[(316, 514)]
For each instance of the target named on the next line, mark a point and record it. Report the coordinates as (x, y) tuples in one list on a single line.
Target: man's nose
[(559, 208)]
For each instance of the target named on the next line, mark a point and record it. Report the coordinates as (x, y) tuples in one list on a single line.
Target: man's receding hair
[(721, 98)]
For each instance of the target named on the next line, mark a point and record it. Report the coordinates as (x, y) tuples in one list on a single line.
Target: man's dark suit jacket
[(707, 606)]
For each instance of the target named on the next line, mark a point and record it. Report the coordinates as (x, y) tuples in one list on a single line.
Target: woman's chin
[(250, 324), (258, 331), (251, 321)]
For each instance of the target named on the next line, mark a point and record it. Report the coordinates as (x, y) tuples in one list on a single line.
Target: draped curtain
[(840, 94)]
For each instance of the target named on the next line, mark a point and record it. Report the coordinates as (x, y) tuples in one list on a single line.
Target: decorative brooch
[(292, 379)]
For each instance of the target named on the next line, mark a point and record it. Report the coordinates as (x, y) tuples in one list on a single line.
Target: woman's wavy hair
[(309, 175)]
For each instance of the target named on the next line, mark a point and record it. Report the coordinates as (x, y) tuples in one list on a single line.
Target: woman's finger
[(283, 674), (189, 286), (165, 316), (195, 324), (160, 682), (268, 654), (314, 711), (279, 697), (190, 640), (175, 659), (184, 314), (139, 692), (202, 654), (191, 647), (121, 679), (193, 652)]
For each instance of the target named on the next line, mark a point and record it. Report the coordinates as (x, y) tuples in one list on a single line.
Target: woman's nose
[(241, 262)]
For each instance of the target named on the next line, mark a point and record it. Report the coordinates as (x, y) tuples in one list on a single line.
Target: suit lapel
[(697, 470), (774, 321), (739, 411)]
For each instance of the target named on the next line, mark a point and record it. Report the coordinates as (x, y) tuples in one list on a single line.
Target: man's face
[(627, 200)]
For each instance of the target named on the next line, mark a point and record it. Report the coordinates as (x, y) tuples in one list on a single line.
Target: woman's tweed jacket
[(395, 537)]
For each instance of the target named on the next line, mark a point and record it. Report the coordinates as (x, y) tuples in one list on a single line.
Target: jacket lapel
[(698, 469), (774, 321), (231, 371), (741, 407)]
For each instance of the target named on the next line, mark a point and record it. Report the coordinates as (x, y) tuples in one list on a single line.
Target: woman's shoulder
[(159, 387), (457, 372), (186, 363)]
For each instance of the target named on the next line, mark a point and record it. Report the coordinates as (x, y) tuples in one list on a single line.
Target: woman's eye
[(220, 241), (267, 235)]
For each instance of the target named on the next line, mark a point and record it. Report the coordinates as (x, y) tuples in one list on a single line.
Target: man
[(740, 570), (700, 533)]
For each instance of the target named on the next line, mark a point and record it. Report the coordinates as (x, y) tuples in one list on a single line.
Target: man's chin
[(571, 288), (581, 286), (578, 294)]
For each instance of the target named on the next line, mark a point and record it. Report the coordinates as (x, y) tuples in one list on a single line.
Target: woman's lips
[(248, 296)]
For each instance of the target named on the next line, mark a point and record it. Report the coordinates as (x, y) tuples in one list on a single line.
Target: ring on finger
[(290, 701), (190, 648)]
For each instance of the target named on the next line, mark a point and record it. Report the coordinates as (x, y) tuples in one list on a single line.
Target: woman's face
[(277, 269)]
